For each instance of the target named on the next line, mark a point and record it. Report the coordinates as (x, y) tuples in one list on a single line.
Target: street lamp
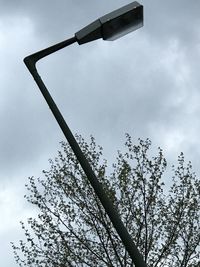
[(109, 27)]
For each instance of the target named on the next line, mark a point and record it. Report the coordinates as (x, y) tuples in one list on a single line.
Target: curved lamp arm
[(30, 62)]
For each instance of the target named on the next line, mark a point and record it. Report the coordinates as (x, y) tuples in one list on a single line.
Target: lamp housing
[(113, 25)]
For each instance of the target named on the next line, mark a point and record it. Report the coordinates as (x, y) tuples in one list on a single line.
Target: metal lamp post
[(109, 27)]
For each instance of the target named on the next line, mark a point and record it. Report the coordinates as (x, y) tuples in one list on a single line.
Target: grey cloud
[(84, 84)]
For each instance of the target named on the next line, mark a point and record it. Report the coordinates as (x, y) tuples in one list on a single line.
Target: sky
[(146, 83)]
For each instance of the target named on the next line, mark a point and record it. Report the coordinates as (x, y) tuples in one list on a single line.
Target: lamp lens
[(126, 23)]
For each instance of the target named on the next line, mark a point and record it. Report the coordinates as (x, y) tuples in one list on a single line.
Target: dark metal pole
[(30, 62)]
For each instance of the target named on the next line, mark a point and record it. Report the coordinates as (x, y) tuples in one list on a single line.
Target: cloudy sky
[(146, 83)]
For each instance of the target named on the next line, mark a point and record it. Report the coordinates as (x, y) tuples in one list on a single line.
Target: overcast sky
[(146, 83)]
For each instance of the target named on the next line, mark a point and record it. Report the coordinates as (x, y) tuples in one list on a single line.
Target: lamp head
[(122, 21), (113, 25)]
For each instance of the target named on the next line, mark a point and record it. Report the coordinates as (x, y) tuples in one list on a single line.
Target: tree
[(72, 228)]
